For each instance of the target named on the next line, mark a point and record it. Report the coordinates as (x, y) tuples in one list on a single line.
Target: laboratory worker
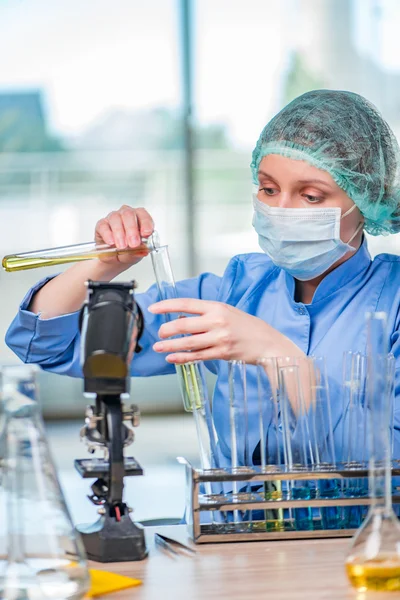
[(325, 170)]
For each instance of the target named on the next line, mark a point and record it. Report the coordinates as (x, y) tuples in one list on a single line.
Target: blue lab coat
[(332, 323)]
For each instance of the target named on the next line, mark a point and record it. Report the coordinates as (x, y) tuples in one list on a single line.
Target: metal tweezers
[(168, 544)]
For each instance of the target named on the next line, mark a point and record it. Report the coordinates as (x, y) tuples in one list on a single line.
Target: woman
[(326, 168)]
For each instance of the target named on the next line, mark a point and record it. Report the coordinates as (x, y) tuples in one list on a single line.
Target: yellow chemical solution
[(21, 262), (379, 574), (191, 385), (76, 253)]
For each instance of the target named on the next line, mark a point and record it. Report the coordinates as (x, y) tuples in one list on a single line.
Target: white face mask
[(305, 242)]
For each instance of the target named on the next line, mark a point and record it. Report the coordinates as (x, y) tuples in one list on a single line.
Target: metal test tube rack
[(197, 503)]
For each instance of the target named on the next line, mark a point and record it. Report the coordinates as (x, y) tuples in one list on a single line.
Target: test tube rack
[(220, 505)]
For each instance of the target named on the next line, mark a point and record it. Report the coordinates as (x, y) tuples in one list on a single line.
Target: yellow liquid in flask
[(379, 574)]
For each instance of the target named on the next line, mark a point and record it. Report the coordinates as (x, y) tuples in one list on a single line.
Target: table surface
[(278, 570)]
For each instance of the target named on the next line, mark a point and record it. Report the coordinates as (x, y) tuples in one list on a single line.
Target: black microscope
[(111, 325)]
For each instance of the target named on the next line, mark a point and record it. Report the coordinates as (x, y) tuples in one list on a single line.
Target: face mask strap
[(359, 227), (349, 211)]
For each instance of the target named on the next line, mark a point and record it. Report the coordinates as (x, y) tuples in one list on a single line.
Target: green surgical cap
[(343, 134)]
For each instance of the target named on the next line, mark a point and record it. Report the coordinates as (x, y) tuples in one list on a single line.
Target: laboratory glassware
[(50, 257), (373, 560), (191, 375), (296, 439), (271, 454), (45, 556)]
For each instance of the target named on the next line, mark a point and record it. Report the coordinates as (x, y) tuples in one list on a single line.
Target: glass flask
[(62, 255), (45, 557), (373, 560)]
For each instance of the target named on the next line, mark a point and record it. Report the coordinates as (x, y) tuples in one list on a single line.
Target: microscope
[(111, 324)]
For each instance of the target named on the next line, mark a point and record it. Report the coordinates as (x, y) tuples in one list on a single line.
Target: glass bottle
[(45, 557), (62, 255), (373, 560)]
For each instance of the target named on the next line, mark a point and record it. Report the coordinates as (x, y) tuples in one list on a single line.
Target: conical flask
[(373, 560), (45, 558)]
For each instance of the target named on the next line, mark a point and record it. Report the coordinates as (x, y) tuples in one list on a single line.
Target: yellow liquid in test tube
[(62, 255), (18, 262), (191, 385), (379, 574)]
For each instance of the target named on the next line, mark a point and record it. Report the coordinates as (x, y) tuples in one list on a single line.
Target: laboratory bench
[(275, 570)]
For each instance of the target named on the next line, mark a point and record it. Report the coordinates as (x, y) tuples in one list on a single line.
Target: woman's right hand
[(124, 228)]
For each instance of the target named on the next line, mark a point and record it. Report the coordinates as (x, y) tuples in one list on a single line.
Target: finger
[(118, 230), (146, 223), (131, 226), (183, 326), (103, 232), (189, 343), (187, 305), (181, 358)]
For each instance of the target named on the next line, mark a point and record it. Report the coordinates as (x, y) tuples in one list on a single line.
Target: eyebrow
[(266, 175), (318, 181), (303, 181)]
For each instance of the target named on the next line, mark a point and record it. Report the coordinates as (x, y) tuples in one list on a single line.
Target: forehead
[(289, 169)]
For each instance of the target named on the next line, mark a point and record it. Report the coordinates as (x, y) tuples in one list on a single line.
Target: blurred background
[(159, 104)]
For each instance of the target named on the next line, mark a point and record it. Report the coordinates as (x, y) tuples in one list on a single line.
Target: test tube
[(321, 429), (354, 409), (354, 433), (191, 375), (62, 255), (296, 440), (271, 456), (238, 420), (391, 368), (189, 378)]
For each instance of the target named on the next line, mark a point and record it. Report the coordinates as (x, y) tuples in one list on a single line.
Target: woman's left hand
[(218, 332)]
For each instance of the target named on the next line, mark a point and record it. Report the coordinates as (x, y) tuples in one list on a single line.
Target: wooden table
[(280, 570)]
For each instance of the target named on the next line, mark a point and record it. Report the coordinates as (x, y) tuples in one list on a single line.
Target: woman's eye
[(269, 191), (312, 199)]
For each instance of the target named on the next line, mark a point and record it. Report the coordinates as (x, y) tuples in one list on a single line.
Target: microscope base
[(108, 540)]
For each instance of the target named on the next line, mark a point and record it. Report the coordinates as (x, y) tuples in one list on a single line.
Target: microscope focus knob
[(132, 415)]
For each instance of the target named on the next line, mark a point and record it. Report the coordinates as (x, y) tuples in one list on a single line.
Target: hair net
[(344, 134)]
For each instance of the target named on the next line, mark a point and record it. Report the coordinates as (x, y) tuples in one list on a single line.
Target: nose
[(285, 200)]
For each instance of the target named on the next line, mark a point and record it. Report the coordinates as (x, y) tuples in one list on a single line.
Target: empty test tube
[(296, 440), (238, 420), (321, 430), (354, 433)]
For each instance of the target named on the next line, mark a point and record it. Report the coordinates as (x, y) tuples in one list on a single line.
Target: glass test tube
[(239, 432), (189, 379), (191, 376), (295, 433), (270, 448), (373, 561), (354, 433), (75, 253), (321, 430)]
